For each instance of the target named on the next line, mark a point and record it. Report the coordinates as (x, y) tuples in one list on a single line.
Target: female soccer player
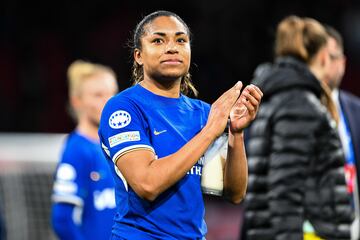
[(83, 197), (155, 135)]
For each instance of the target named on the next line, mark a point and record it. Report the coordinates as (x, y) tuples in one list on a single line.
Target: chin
[(171, 76), (166, 78)]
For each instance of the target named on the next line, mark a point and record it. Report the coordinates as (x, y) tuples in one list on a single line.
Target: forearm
[(236, 169), (162, 173), (149, 176)]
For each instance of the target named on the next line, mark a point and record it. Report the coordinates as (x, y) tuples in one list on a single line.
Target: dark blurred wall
[(38, 42)]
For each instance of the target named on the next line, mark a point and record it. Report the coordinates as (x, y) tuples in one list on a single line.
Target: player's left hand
[(245, 108)]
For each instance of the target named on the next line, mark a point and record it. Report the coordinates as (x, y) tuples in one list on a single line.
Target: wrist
[(208, 133), (235, 137), (238, 133)]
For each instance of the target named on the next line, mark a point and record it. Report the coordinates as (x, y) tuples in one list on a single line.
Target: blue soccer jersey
[(138, 119), (84, 179)]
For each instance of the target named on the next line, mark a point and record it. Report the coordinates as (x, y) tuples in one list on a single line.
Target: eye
[(335, 56), (157, 40), (181, 40), (98, 94)]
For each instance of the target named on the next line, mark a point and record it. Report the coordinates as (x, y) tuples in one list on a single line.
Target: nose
[(171, 47)]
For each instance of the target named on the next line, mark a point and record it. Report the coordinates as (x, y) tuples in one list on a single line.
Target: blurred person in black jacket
[(296, 186), (348, 107)]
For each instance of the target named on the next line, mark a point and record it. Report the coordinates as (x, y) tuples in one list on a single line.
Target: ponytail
[(299, 37)]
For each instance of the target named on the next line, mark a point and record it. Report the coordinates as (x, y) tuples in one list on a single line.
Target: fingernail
[(238, 85)]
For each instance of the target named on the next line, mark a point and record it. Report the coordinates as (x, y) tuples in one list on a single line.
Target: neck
[(317, 72), (88, 129), (169, 88)]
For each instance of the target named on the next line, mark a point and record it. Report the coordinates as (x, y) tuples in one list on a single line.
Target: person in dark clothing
[(296, 187), (348, 106)]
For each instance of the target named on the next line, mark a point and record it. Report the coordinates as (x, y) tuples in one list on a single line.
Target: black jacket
[(295, 160)]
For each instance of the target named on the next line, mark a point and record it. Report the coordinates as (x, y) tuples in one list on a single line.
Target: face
[(165, 50), (94, 93), (337, 62)]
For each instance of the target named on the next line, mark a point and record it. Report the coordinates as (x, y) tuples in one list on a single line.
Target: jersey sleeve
[(123, 128), (62, 219), (71, 183), (206, 108)]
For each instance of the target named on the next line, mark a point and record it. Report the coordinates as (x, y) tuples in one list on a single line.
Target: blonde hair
[(303, 38), (80, 70), (328, 102), (300, 37)]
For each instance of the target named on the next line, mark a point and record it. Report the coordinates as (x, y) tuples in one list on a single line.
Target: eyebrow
[(164, 34)]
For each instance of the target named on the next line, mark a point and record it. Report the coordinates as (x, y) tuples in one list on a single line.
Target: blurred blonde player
[(83, 193)]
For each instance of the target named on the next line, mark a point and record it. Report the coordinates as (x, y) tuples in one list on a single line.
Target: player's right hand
[(220, 110)]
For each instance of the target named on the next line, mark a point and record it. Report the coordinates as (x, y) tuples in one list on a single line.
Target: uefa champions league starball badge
[(119, 119)]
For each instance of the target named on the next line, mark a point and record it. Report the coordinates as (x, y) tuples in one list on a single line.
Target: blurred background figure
[(348, 107), (83, 192), (297, 186)]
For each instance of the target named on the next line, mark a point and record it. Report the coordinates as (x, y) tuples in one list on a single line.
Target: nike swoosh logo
[(159, 132)]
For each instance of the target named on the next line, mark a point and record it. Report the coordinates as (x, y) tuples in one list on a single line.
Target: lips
[(172, 61)]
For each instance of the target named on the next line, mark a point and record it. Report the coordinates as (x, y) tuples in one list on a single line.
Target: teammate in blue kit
[(155, 136), (83, 195)]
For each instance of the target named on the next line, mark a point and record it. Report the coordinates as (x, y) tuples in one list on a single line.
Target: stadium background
[(38, 40)]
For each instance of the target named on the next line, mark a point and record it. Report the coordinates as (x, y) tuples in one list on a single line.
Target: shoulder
[(296, 109), (196, 104), (125, 97), (287, 75), (348, 97), (299, 98), (76, 148), (71, 142), (124, 103)]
